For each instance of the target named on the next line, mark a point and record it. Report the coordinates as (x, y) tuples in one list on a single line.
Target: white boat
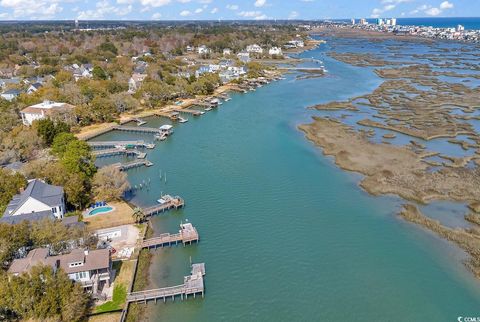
[(208, 108), (182, 120), (161, 201), (228, 99), (202, 112)]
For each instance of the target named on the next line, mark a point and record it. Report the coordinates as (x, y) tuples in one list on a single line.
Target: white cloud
[(156, 16), (433, 11), (260, 3), (155, 3), (293, 15), (446, 5), (35, 9), (257, 15), (104, 9), (184, 1), (214, 11), (185, 13), (232, 7), (199, 10)]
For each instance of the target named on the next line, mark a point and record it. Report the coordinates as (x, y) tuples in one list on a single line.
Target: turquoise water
[(100, 210), (285, 234)]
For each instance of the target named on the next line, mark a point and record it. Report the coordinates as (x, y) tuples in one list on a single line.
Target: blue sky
[(233, 9)]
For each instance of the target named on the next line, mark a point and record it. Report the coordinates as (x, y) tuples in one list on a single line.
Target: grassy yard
[(122, 281), (122, 215)]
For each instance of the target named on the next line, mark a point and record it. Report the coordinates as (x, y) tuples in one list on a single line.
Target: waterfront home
[(11, 94), (227, 52), (256, 49), (275, 51), (244, 56), (135, 82), (92, 269), (33, 88), (38, 198), (43, 110), (203, 50), (225, 63), (295, 44), (190, 49), (212, 68)]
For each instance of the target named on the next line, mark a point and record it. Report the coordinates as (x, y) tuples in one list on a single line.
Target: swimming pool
[(100, 210)]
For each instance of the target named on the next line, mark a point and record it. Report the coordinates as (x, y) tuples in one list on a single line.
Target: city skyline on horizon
[(164, 10)]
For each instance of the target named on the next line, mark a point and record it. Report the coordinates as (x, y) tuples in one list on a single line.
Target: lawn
[(117, 302), (122, 281), (122, 215)]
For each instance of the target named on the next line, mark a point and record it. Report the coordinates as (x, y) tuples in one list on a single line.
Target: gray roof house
[(39, 199), (92, 269)]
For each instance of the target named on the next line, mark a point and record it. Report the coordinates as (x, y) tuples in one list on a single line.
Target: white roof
[(166, 127)]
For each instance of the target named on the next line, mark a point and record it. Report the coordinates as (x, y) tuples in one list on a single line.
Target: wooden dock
[(131, 165), (186, 235), (118, 151), (170, 203), (115, 144), (192, 285), (138, 129), (189, 111), (173, 116)]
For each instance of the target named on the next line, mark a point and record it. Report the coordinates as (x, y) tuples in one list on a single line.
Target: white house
[(275, 51), (43, 110), (135, 82), (33, 88), (38, 197), (203, 50), (254, 49), (227, 52), (10, 94), (92, 269), (244, 56)]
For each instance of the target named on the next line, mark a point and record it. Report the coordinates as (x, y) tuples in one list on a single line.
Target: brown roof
[(34, 257), (94, 260), (40, 110)]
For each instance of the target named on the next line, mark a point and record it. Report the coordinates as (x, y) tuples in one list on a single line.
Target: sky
[(232, 9)]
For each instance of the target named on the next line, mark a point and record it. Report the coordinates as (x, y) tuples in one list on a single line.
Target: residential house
[(80, 71), (232, 73), (38, 199), (190, 49), (295, 44), (5, 82), (203, 50), (92, 269), (33, 88), (135, 82), (212, 68), (256, 49), (44, 110), (227, 52), (275, 51), (140, 67), (244, 56), (11, 94), (225, 63)]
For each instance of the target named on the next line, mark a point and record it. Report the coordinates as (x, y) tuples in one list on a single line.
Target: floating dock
[(192, 285), (169, 203), (186, 235)]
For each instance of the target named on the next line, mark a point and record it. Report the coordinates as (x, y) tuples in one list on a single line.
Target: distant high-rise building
[(380, 21), (76, 24), (353, 21), (388, 22), (363, 21), (460, 28), (393, 21)]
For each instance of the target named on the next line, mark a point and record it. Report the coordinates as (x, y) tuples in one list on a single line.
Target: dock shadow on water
[(285, 235)]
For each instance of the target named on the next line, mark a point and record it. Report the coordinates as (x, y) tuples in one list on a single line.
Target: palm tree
[(138, 215)]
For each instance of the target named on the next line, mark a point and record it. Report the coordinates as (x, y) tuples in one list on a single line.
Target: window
[(54, 210)]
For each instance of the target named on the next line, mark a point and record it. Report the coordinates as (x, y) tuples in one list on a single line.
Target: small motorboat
[(208, 108), (182, 120)]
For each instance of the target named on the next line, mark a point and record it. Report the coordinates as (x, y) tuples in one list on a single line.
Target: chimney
[(86, 252)]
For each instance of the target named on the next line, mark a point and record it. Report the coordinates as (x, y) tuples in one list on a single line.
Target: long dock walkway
[(118, 151), (169, 203), (189, 111), (186, 235), (133, 164), (139, 129), (192, 285), (115, 144)]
